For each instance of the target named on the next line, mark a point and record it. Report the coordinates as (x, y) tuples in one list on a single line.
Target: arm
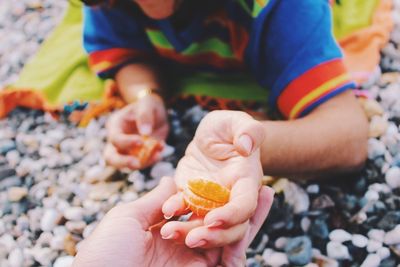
[(331, 139)]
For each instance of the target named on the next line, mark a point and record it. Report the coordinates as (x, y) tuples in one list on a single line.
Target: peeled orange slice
[(202, 196), (147, 150)]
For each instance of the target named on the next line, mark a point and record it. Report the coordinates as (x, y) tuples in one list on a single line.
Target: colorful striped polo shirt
[(287, 45)]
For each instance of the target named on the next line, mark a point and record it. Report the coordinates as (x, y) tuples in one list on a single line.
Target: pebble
[(299, 250), (392, 177), (74, 213), (16, 258), (376, 234), (296, 197), (373, 245), (161, 169), (359, 241), (281, 242), (340, 235), (377, 126), (389, 221), (372, 260), (16, 194), (337, 251), (383, 253), (393, 237), (75, 227), (49, 220), (103, 191), (313, 189), (274, 259), (65, 261)]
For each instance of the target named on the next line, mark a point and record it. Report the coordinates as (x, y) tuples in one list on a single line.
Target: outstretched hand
[(125, 237), (226, 149)]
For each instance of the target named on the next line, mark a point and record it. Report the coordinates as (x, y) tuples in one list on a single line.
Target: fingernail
[(199, 244), (215, 224), (246, 143), (171, 236), (145, 129), (167, 217)]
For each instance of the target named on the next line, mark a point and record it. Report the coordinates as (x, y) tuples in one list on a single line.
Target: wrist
[(138, 92)]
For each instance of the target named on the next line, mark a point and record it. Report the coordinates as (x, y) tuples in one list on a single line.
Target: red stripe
[(210, 58), (307, 82), (113, 55)]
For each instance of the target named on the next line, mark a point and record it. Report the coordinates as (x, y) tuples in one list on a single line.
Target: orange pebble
[(201, 196), (147, 150)]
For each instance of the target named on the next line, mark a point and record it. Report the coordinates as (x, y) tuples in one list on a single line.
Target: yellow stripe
[(101, 66), (322, 89)]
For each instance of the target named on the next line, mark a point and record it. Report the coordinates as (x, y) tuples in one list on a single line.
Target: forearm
[(132, 78), (332, 139)]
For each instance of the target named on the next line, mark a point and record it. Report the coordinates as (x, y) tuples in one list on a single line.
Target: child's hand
[(126, 127), (226, 149)]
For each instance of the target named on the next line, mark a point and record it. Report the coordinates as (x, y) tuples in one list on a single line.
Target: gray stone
[(299, 250)]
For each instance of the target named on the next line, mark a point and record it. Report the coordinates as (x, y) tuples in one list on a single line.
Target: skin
[(127, 237), (331, 139)]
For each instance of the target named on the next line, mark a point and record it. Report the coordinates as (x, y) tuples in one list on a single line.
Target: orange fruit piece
[(147, 150), (202, 196)]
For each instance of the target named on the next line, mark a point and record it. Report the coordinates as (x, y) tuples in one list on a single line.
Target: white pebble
[(280, 243), (275, 259), (392, 177), (340, 235), (377, 235), (49, 220), (337, 251), (372, 260), (305, 224), (373, 245), (393, 237), (65, 261), (383, 253), (359, 241), (161, 169), (372, 196), (74, 213), (313, 189), (16, 258)]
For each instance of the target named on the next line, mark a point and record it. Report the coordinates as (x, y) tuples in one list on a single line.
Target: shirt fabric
[(287, 45)]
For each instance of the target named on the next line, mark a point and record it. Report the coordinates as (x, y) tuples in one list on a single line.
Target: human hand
[(127, 126), (226, 149), (127, 237)]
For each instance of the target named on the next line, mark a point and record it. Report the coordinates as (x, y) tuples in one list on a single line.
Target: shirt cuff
[(314, 87), (104, 62)]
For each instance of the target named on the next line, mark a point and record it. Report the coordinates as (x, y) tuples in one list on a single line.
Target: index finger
[(241, 206), (124, 142)]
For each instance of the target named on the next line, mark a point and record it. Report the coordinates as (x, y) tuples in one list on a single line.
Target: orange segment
[(201, 196), (209, 190), (147, 150)]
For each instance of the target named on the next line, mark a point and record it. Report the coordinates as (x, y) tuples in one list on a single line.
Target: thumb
[(145, 120), (248, 134), (147, 209)]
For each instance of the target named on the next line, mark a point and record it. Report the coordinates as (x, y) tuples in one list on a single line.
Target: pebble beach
[(55, 186)]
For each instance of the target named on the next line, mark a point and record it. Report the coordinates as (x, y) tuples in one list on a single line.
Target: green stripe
[(212, 45), (158, 39), (257, 8)]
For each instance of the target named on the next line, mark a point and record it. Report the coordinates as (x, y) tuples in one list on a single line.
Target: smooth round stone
[(75, 227), (359, 241), (305, 224), (376, 234), (273, 258), (337, 251), (49, 220), (74, 213), (319, 229), (392, 177), (44, 256), (65, 261), (393, 237), (281, 242), (372, 196), (373, 245), (389, 221), (372, 260), (376, 148), (313, 189), (161, 169), (16, 258), (57, 243), (296, 197), (383, 253), (299, 250), (16, 194)]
